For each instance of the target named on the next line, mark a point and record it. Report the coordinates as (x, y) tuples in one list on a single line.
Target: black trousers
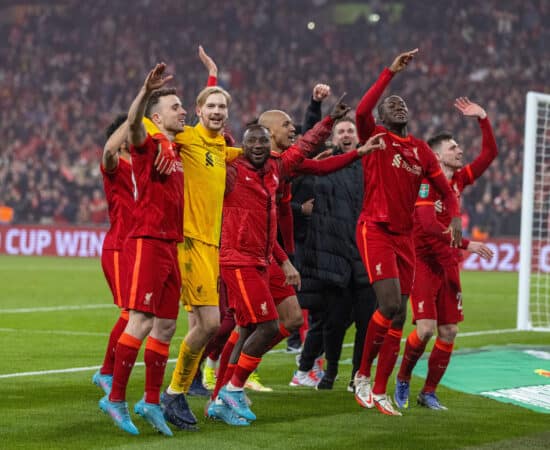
[(332, 311)]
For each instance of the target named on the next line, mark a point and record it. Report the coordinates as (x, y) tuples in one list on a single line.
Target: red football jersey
[(393, 175), (392, 179), (158, 211), (119, 189), (435, 243)]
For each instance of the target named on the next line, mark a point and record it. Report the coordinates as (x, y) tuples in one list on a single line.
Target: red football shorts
[(386, 255), (153, 277), (436, 292), (249, 295), (277, 283), (112, 264)]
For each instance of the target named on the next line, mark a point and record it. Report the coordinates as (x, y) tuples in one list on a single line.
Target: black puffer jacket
[(329, 254)]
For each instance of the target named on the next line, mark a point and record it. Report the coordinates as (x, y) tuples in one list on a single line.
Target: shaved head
[(281, 127), (269, 118)]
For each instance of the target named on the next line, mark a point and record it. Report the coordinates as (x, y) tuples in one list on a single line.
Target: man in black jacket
[(335, 287)]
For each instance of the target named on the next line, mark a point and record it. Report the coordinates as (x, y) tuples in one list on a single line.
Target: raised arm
[(210, 65), (364, 119), (334, 163), (155, 80), (313, 112), (295, 154), (489, 150), (110, 156)]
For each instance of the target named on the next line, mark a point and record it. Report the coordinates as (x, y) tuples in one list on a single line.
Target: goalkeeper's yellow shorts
[(200, 273)]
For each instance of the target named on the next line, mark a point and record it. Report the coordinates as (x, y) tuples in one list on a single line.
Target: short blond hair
[(207, 91)]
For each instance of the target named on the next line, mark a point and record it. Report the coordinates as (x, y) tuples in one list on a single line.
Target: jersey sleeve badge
[(424, 190)]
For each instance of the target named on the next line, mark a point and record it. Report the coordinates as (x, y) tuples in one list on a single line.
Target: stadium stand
[(70, 66)]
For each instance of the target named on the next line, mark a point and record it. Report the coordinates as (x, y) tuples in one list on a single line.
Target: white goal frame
[(524, 316)]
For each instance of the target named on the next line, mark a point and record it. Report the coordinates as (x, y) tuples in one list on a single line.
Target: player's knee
[(270, 329), (393, 311), (293, 322), (211, 327), (448, 332), (164, 329), (139, 324), (424, 333)]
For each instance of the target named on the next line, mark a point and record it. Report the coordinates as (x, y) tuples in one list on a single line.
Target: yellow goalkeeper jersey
[(204, 155)]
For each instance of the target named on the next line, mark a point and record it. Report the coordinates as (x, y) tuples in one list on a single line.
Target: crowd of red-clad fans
[(69, 66)]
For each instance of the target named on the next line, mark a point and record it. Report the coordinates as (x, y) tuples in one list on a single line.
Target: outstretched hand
[(340, 109), (469, 108), (208, 62), (402, 60), (324, 154), (321, 92), (156, 79), (481, 249), (373, 143)]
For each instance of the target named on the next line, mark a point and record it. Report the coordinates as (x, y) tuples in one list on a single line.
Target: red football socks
[(376, 331), (413, 351), (109, 360), (246, 365), (224, 363), (437, 364), (156, 356), (126, 353), (386, 360)]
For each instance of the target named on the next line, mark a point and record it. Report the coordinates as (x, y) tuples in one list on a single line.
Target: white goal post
[(534, 277)]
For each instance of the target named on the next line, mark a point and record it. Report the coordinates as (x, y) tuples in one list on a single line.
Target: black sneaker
[(177, 411), (325, 383), (197, 389), (351, 387)]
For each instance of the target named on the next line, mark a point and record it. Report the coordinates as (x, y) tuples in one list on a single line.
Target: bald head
[(281, 127)]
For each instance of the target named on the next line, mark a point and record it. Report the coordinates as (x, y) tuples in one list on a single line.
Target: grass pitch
[(55, 315)]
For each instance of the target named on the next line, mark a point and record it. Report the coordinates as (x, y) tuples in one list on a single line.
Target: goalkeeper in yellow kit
[(204, 154)]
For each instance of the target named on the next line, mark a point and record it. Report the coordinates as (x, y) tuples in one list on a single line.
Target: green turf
[(60, 410)]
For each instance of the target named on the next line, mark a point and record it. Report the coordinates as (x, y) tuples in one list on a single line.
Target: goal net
[(534, 271)]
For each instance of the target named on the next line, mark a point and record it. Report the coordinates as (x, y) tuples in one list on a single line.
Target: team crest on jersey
[(424, 190), (421, 306), (148, 297), (263, 307)]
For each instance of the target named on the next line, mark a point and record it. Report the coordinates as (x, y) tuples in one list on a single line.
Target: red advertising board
[(51, 240), (86, 242)]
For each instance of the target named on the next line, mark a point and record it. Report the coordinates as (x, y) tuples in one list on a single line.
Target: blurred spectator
[(69, 66)]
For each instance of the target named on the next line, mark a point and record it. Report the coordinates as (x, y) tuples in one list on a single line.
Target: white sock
[(210, 363), (232, 388)]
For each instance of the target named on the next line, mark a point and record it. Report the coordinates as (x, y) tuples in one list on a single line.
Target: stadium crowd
[(69, 67)]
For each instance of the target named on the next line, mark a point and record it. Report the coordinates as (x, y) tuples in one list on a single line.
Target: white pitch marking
[(84, 369), (54, 332), (54, 308), (54, 371)]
